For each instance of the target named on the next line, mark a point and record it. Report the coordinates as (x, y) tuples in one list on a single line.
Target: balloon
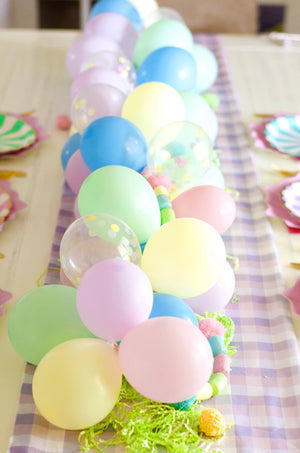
[(71, 145), (171, 65), (95, 238), (116, 61), (96, 101), (166, 359), (151, 106), (85, 46), (121, 7), (199, 112), (167, 32), (77, 383), (42, 319), (76, 172), (113, 297), (99, 75), (181, 151), (161, 14), (64, 279), (115, 27), (167, 305), (207, 67), (144, 7), (75, 209), (123, 193), (217, 297), (208, 203), (113, 141), (184, 258), (213, 176)]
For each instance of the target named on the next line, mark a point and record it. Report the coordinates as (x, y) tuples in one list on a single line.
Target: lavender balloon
[(76, 172), (85, 46), (116, 28), (99, 75), (113, 297), (217, 297)]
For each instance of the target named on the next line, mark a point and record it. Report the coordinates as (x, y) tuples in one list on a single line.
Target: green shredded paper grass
[(143, 425)]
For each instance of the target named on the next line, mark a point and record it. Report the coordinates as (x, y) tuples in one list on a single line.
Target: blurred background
[(226, 16)]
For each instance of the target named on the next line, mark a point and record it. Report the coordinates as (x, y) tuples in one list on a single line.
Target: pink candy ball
[(63, 122)]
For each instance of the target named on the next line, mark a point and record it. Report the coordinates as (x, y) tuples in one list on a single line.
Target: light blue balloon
[(122, 7), (199, 112), (70, 147), (167, 305), (112, 140), (171, 65), (207, 67), (212, 177)]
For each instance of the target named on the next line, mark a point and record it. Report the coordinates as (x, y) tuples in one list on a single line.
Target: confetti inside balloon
[(116, 61), (96, 101), (182, 151)]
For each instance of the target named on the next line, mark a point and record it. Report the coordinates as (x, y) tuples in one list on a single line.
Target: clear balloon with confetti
[(116, 61), (94, 238), (96, 101), (182, 152)]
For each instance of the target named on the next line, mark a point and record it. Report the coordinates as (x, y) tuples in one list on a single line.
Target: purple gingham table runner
[(265, 376)]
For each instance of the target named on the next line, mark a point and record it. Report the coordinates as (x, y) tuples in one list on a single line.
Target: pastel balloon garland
[(119, 212)]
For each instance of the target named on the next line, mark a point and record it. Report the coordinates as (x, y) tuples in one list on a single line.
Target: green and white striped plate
[(14, 134)]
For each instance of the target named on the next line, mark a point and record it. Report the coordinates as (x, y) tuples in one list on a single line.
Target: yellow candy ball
[(212, 422)]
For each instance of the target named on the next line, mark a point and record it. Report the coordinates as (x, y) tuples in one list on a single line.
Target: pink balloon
[(208, 203), (115, 27), (217, 297), (76, 172), (85, 46), (99, 75), (64, 279), (166, 359), (113, 297)]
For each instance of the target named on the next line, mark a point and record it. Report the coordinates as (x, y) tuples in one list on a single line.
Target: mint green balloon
[(164, 33), (123, 193), (199, 112), (44, 318)]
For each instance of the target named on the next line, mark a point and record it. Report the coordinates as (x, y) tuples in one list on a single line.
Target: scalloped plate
[(290, 196), (283, 133), (5, 204), (15, 134)]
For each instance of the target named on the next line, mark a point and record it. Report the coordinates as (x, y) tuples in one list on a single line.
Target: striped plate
[(14, 134), (5, 204), (283, 133)]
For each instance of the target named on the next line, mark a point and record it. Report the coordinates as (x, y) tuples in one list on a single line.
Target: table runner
[(265, 376)]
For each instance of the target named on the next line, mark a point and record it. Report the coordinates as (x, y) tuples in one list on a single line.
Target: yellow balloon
[(184, 258), (151, 106), (77, 383)]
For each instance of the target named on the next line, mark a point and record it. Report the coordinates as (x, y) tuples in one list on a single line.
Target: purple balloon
[(113, 297), (85, 46), (99, 75), (115, 27), (217, 297), (76, 172)]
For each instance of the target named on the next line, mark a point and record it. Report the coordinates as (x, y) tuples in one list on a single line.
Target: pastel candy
[(210, 327), (217, 345), (205, 393), (222, 364), (218, 381)]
